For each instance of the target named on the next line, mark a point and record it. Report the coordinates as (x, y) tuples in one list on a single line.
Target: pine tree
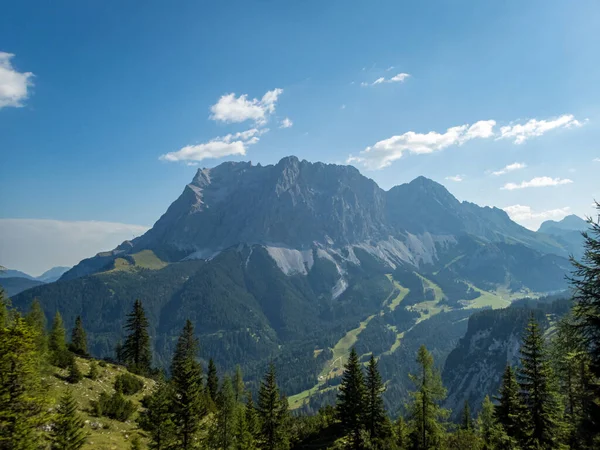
[(375, 417), (75, 375), (509, 411), (251, 416), (212, 380), (136, 443), (157, 419), (4, 307), (426, 415), (272, 413), (490, 431), (226, 414), (57, 344), (401, 434), (21, 397), (466, 421), (238, 384), (187, 389), (351, 401), (79, 338), (585, 282), (244, 438), (36, 320), (537, 390), (93, 373), (68, 433), (136, 353)]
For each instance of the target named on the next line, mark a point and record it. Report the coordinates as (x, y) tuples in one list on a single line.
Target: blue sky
[(92, 94)]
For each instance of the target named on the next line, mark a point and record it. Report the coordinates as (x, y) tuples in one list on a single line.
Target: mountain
[(492, 340), (296, 262), (567, 232), (52, 274), (11, 273), (14, 285)]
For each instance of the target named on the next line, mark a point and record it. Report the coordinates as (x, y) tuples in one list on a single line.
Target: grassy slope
[(427, 309), (104, 433)]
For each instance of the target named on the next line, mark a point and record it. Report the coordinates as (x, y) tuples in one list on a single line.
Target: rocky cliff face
[(296, 206)]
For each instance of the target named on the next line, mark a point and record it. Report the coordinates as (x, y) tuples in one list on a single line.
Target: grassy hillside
[(104, 433)]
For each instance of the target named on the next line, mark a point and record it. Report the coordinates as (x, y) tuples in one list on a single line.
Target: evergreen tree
[(79, 338), (157, 419), (21, 397), (212, 380), (75, 375), (509, 411), (4, 305), (57, 344), (537, 390), (585, 282), (136, 353), (244, 438), (251, 417), (68, 433), (36, 320), (426, 415), (351, 401), (93, 373), (466, 421), (401, 434), (187, 389), (238, 384), (490, 431), (226, 414), (272, 413), (375, 416)]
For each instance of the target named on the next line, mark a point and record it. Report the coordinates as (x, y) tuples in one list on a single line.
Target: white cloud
[(383, 153), (519, 133), (596, 160), (231, 144), (36, 245), (457, 178), (400, 78), (232, 109), (286, 123), (343, 107), (510, 168), (537, 182), (532, 219), (13, 85)]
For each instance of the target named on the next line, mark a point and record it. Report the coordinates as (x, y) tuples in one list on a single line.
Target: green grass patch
[(146, 259)]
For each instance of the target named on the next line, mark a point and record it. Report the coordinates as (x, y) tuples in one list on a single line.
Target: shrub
[(114, 406), (128, 384)]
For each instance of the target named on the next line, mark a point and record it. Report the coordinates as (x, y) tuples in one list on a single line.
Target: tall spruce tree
[(375, 418), (57, 344), (68, 432), (509, 411), (252, 419), (272, 413), (585, 282), (226, 413), (79, 338), (22, 399), (36, 320), (466, 421), (157, 418), (212, 380), (187, 400), (136, 353), (238, 384), (401, 434), (351, 401), (536, 381), (427, 417)]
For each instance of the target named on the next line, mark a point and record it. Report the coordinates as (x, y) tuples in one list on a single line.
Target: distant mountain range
[(15, 281), (296, 262), (567, 232)]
